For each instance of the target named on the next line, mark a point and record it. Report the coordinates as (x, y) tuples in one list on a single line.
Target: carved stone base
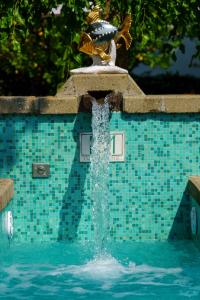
[(99, 70)]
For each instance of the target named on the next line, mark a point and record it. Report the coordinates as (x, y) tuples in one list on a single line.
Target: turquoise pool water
[(154, 270)]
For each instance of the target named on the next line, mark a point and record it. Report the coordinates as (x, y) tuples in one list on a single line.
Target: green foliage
[(38, 48)]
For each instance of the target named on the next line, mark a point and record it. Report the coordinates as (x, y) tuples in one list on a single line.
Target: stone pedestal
[(98, 85)]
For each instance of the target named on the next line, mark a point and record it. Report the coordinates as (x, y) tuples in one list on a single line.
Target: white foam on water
[(79, 290), (98, 268), (128, 294), (150, 269), (108, 268), (154, 283)]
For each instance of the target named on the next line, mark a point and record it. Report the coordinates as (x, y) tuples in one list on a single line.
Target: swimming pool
[(147, 199), (129, 270)]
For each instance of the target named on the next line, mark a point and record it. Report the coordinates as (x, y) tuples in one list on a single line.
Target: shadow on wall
[(73, 199), (8, 147), (181, 225)]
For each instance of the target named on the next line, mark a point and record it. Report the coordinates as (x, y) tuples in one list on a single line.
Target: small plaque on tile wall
[(117, 148)]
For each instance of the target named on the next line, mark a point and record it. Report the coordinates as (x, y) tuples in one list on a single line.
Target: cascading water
[(100, 153), (103, 266)]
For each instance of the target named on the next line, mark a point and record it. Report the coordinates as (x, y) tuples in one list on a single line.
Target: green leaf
[(16, 45), (30, 36)]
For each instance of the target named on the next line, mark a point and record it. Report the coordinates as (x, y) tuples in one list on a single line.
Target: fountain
[(100, 42)]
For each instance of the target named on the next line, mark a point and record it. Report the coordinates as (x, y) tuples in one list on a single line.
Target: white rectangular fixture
[(117, 146)]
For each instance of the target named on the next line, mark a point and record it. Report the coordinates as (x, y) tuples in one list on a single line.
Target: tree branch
[(107, 9)]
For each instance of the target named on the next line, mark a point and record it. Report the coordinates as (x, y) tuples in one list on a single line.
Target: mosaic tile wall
[(147, 199)]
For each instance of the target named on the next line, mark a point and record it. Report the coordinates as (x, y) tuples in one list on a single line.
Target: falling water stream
[(103, 265), (100, 154)]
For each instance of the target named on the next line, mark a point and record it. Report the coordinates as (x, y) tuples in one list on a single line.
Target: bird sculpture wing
[(86, 44)]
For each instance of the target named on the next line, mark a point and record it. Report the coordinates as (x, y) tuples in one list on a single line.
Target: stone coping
[(6, 192), (194, 187), (69, 104), (162, 104), (69, 98), (38, 105)]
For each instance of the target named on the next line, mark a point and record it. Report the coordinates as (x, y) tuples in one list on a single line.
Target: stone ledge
[(69, 104), (69, 97), (193, 187), (58, 105), (162, 104), (6, 192), (39, 105)]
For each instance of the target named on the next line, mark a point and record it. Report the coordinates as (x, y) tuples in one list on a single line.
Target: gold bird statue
[(99, 37)]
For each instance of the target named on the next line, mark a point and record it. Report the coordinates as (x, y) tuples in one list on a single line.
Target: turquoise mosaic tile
[(147, 197)]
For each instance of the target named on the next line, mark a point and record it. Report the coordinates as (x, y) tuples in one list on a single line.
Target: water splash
[(100, 153), (109, 269)]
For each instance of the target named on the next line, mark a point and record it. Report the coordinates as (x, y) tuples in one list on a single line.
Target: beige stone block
[(80, 84), (6, 192), (162, 103), (58, 105), (182, 103), (193, 187), (18, 104)]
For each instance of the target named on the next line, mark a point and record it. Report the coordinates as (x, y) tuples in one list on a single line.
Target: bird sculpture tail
[(124, 32)]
